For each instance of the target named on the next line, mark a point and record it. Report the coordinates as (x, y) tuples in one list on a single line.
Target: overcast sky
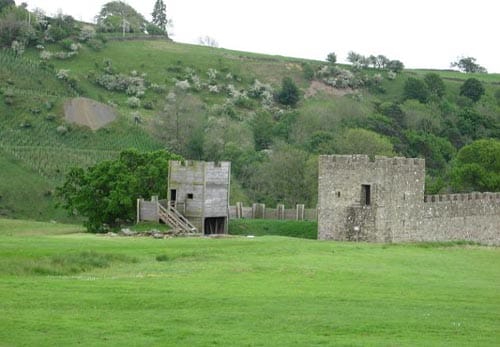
[(422, 34)]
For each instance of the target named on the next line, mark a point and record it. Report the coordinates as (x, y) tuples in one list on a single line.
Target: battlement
[(378, 161), (390, 192), (195, 163), (474, 196)]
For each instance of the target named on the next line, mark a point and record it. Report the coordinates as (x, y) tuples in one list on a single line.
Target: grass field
[(60, 287)]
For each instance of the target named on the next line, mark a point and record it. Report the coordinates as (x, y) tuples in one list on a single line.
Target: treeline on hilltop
[(21, 28)]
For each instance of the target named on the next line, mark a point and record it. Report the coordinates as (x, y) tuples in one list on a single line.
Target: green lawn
[(262, 291)]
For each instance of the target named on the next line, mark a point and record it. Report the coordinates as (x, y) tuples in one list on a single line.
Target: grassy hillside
[(217, 104), (266, 291)]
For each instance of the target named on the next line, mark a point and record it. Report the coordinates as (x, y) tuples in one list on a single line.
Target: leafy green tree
[(382, 61), (262, 126), (289, 94), (477, 167), (117, 16), (331, 58), (354, 58), (473, 89), (395, 66), (106, 193), (270, 186), (362, 141), (437, 151), (160, 15), (14, 26), (435, 84), (6, 3), (416, 89), (468, 65)]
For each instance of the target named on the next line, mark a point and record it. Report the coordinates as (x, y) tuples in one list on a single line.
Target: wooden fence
[(260, 211)]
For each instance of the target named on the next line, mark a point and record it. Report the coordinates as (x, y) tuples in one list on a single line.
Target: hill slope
[(213, 104)]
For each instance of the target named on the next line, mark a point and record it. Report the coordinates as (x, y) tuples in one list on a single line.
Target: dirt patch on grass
[(88, 112), (320, 87)]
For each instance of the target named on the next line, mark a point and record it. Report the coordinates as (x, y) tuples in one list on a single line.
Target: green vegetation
[(267, 291), (105, 194), (260, 112), (477, 166), (262, 227)]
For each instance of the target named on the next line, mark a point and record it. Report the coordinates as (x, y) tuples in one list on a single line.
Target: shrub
[(63, 74), (133, 102), (289, 93), (472, 89), (61, 130), (95, 44), (45, 55), (416, 89), (183, 85), (86, 33)]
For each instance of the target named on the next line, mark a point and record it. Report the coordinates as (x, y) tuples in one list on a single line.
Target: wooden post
[(139, 202), (280, 210), (300, 211), (239, 210), (154, 198)]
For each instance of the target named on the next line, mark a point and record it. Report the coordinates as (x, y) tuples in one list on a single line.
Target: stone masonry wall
[(397, 210)]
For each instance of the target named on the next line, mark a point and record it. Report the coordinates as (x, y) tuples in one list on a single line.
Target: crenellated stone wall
[(382, 200)]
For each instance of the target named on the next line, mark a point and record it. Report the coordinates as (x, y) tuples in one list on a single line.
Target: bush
[(416, 89), (133, 102), (472, 89), (289, 93)]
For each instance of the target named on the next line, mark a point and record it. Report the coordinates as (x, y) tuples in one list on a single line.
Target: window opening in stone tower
[(365, 195)]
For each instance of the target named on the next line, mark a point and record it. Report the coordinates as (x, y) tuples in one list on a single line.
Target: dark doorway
[(173, 195), (215, 225), (365, 195)]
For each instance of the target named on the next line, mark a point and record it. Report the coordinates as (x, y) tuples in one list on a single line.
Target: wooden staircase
[(170, 216)]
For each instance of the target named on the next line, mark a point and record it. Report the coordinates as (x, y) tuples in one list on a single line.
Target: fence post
[(139, 202), (280, 209), (239, 210), (258, 211), (154, 198), (300, 211)]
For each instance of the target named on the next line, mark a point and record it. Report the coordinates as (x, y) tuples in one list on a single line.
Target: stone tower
[(200, 191), (365, 199)]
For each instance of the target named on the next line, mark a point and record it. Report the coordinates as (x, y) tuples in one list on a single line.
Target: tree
[(300, 185), (435, 84), (382, 61), (353, 57), (262, 126), (473, 89), (477, 167), (437, 151), (289, 94), (362, 141), (14, 26), (331, 58), (468, 65), (160, 14), (178, 125), (117, 16), (416, 89), (395, 66), (106, 193), (6, 3)]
